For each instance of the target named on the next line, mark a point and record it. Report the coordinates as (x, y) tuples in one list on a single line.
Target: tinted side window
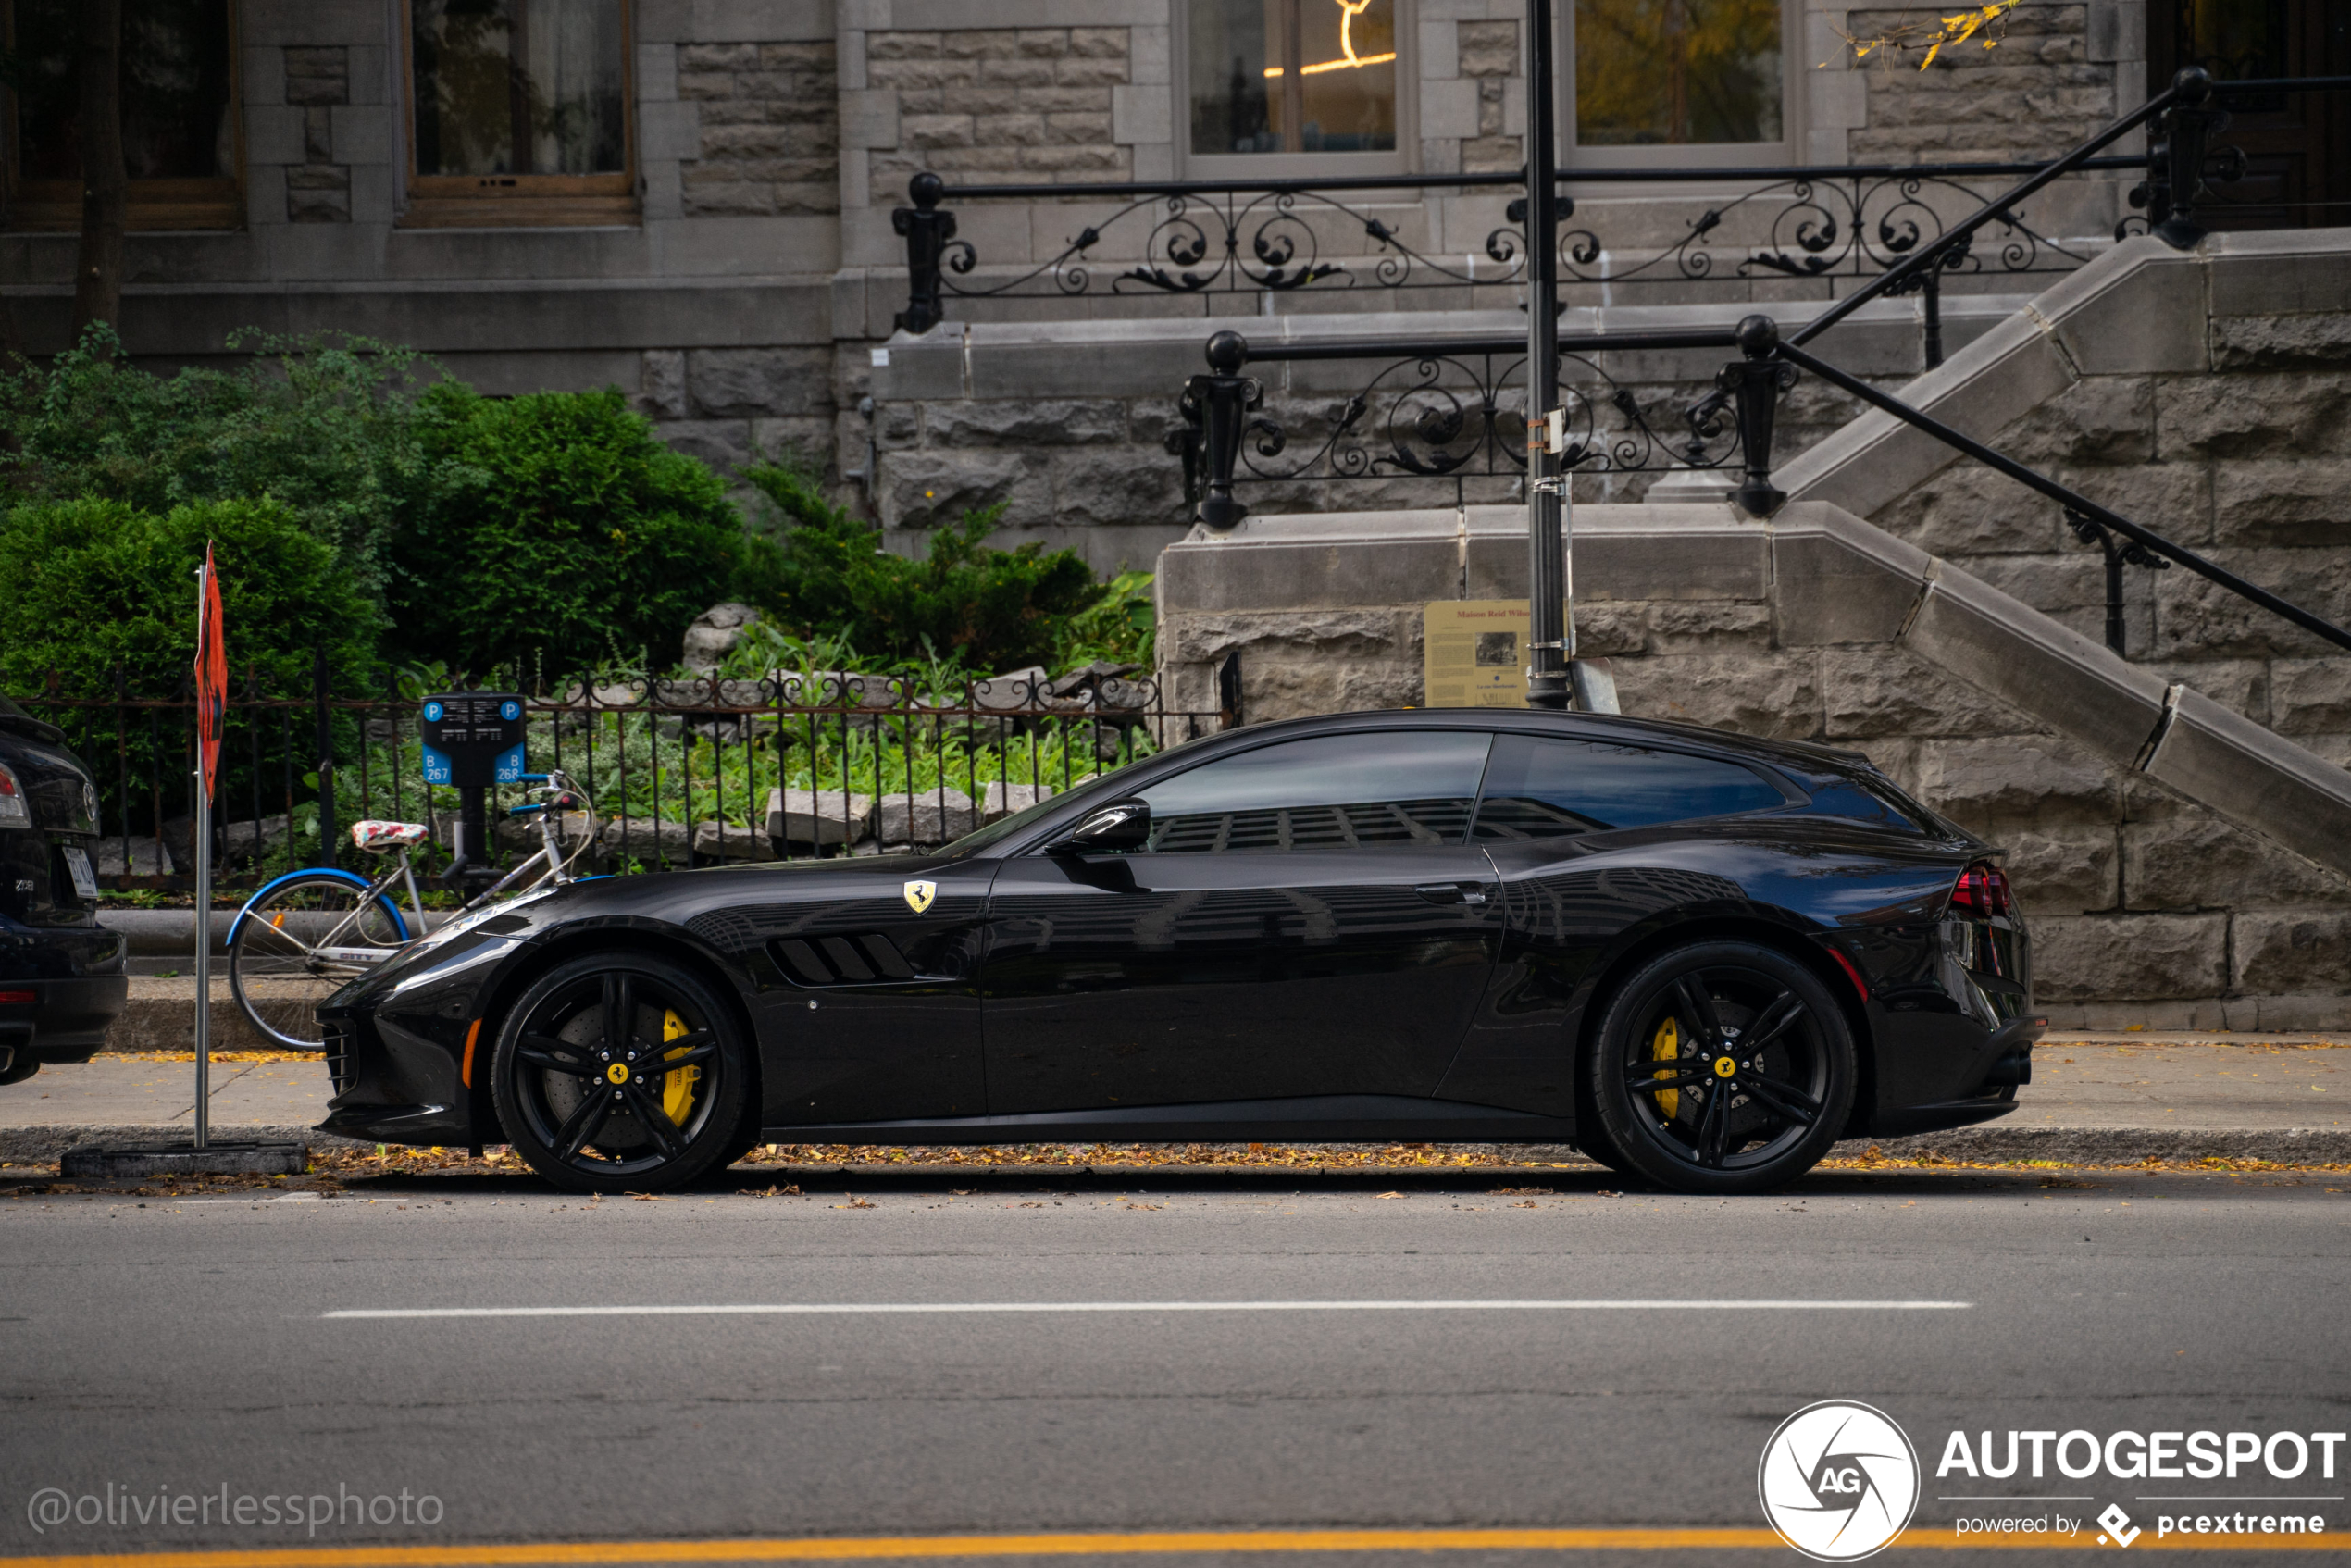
[(1553, 788), (1329, 793)]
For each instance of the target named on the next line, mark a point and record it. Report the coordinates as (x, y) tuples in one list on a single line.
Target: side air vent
[(842, 961)]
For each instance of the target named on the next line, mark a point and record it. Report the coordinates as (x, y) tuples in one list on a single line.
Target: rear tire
[(1721, 1067), (619, 1071)]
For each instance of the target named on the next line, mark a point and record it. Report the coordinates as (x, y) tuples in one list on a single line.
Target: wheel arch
[(1621, 966), (664, 941)]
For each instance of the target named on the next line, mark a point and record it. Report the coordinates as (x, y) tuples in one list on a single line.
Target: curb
[(2062, 1145)]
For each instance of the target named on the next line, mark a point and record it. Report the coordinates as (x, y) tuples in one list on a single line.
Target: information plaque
[(1473, 653)]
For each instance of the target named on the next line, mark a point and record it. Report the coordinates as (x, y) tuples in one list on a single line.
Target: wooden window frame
[(155, 206), (1686, 155), (1404, 159), (522, 201)]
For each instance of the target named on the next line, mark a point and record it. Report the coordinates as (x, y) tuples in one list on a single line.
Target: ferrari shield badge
[(919, 894)]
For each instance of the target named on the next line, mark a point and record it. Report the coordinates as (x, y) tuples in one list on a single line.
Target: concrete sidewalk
[(2102, 1100)]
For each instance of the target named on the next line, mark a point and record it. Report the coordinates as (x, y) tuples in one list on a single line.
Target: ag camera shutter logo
[(1839, 1481)]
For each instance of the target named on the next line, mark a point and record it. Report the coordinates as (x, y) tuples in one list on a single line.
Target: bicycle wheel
[(301, 939)]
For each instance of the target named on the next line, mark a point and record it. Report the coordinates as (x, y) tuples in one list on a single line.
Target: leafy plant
[(101, 586), (560, 527), (983, 609), (319, 424), (97, 584)]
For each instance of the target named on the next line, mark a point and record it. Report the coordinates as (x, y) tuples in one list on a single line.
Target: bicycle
[(307, 934)]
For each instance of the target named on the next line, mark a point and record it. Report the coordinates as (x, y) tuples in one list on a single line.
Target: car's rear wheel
[(620, 1071), (1723, 1067)]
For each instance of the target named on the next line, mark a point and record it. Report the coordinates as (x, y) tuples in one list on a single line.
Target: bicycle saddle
[(377, 838)]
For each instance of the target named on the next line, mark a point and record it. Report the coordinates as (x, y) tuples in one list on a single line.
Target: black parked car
[(1701, 959), (62, 978)]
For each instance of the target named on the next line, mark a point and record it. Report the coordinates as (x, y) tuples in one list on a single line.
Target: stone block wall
[(2148, 907), (318, 81), (768, 128), (1010, 104), (2045, 85)]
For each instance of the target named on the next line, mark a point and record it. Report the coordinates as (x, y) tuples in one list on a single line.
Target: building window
[(1311, 78), (520, 113), (1664, 81), (180, 120)]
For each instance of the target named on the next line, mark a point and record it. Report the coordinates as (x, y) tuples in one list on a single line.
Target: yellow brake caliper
[(677, 1087), (1667, 1047)]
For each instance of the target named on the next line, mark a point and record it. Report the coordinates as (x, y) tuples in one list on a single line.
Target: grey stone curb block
[(2064, 1146), (20, 1146), (219, 1157)]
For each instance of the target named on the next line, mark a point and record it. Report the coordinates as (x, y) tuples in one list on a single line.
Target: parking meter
[(473, 739)]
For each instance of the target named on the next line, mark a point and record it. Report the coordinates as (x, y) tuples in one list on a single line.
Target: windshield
[(1005, 827)]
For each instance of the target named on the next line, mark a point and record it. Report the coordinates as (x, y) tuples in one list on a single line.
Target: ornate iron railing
[(1445, 410)]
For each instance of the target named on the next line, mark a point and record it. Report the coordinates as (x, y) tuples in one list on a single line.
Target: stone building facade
[(739, 286)]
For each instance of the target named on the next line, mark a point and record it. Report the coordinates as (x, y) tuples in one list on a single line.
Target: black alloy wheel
[(621, 1073), (1721, 1067)]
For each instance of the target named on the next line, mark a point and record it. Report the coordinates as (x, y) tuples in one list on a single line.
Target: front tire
[(1723, 1067), (618, 1071)]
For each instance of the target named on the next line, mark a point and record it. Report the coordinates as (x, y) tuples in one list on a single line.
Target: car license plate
[(85, 887)]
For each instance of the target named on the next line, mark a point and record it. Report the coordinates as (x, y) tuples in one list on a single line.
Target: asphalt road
[(170, 1346)]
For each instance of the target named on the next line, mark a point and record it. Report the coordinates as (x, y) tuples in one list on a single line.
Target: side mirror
[(1122, 825)]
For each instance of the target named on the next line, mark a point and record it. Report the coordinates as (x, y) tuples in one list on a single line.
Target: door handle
[(1452, 893)]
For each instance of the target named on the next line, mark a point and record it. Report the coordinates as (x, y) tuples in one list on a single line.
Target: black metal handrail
[(2073, 500)]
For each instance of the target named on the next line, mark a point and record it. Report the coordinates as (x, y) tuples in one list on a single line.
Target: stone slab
[(104, 1161), (2073, 685), (2256, 780), (1834, 578)]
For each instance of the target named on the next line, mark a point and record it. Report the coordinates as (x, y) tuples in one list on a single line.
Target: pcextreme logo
[(1838, 1480)]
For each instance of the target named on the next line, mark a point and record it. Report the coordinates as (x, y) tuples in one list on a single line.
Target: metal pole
[(204, 960), (204, 904), (1550, 634)]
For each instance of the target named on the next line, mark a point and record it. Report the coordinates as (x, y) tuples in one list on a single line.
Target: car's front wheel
[(1723, 1067), (620, 1071)]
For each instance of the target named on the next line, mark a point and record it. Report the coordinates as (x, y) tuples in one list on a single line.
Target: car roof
[(1621, 729)]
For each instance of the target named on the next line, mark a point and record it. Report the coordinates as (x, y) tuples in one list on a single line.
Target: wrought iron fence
[(682, 772)]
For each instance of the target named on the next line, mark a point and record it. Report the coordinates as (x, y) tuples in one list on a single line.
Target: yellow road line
[(1105, 1544)]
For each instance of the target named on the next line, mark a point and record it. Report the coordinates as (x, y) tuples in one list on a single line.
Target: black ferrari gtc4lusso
[(1699, 958)]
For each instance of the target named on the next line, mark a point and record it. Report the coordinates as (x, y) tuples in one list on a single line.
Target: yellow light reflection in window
[(1347, 11)]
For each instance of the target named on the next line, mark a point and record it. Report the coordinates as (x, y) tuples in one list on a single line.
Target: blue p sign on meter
[(473, 738)]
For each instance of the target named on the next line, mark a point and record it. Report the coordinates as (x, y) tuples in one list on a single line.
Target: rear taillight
[(1981, 893), (15, 810)]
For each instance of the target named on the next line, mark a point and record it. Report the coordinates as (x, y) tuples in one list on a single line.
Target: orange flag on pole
[(211, 673)]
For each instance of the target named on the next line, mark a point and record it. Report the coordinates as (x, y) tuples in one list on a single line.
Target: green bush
[(321, 426), (100, 585), (96, 584), (983, 609), (559, 534)]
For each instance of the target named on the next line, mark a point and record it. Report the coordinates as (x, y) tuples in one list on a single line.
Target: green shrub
[(559, 533), (95, 584), (965, 602), (100, 585), (320, 425)]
